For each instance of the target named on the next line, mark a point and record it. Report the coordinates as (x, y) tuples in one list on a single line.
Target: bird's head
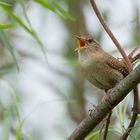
[(86, 43), (88, 48)]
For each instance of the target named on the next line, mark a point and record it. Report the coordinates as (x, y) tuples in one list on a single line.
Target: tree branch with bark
[(117, 94)]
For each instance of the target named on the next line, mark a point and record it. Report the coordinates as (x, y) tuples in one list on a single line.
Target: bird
[(99, 67)]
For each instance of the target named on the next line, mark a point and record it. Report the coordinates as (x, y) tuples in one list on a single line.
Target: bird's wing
[(116, 64)]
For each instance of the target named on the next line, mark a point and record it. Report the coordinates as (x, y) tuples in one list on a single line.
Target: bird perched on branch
[(99, 67)]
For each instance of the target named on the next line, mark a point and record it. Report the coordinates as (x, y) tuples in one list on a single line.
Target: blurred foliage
[(20, 22), (6, 44), (6, 26), (57, 8), (71, 15)]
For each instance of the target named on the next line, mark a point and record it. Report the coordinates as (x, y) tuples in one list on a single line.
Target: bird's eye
[(90, 40)]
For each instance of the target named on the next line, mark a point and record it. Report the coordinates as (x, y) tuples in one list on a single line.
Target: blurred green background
[(43, 95)]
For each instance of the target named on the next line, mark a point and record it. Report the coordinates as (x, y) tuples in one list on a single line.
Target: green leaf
[(13, 16), (8, 46), (5, 26), (46, 5), (62, 11), (135, 131), (138, 118), (30, 31), (5, 4), (19, 131), (55, 8), (34, 34), (95, 135), (6, 126)]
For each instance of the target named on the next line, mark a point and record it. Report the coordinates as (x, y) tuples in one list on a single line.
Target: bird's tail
[(134, 58)]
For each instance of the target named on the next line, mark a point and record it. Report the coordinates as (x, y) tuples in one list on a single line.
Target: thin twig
[(134, 115), (113, 38), (127, 61), (107, 125), (107, 122), (130, 134)]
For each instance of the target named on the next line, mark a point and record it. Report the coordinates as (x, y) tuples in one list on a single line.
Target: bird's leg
[(106, 96)]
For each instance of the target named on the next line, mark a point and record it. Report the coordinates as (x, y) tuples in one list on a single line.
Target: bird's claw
[(107, 96)]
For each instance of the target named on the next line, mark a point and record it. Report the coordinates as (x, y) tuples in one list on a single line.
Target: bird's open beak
[(81, 42)]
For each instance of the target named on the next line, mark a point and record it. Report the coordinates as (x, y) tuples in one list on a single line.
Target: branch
[(128, 64), (111, 35), (134, 116), (117, 94), (107, 126)]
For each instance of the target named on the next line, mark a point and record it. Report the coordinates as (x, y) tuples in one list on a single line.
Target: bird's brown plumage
[(100, 68)]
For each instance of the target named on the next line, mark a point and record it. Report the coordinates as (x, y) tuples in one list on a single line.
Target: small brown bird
[(100, 68)]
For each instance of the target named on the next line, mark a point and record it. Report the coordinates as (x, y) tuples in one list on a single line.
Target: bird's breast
[(100, 74)]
